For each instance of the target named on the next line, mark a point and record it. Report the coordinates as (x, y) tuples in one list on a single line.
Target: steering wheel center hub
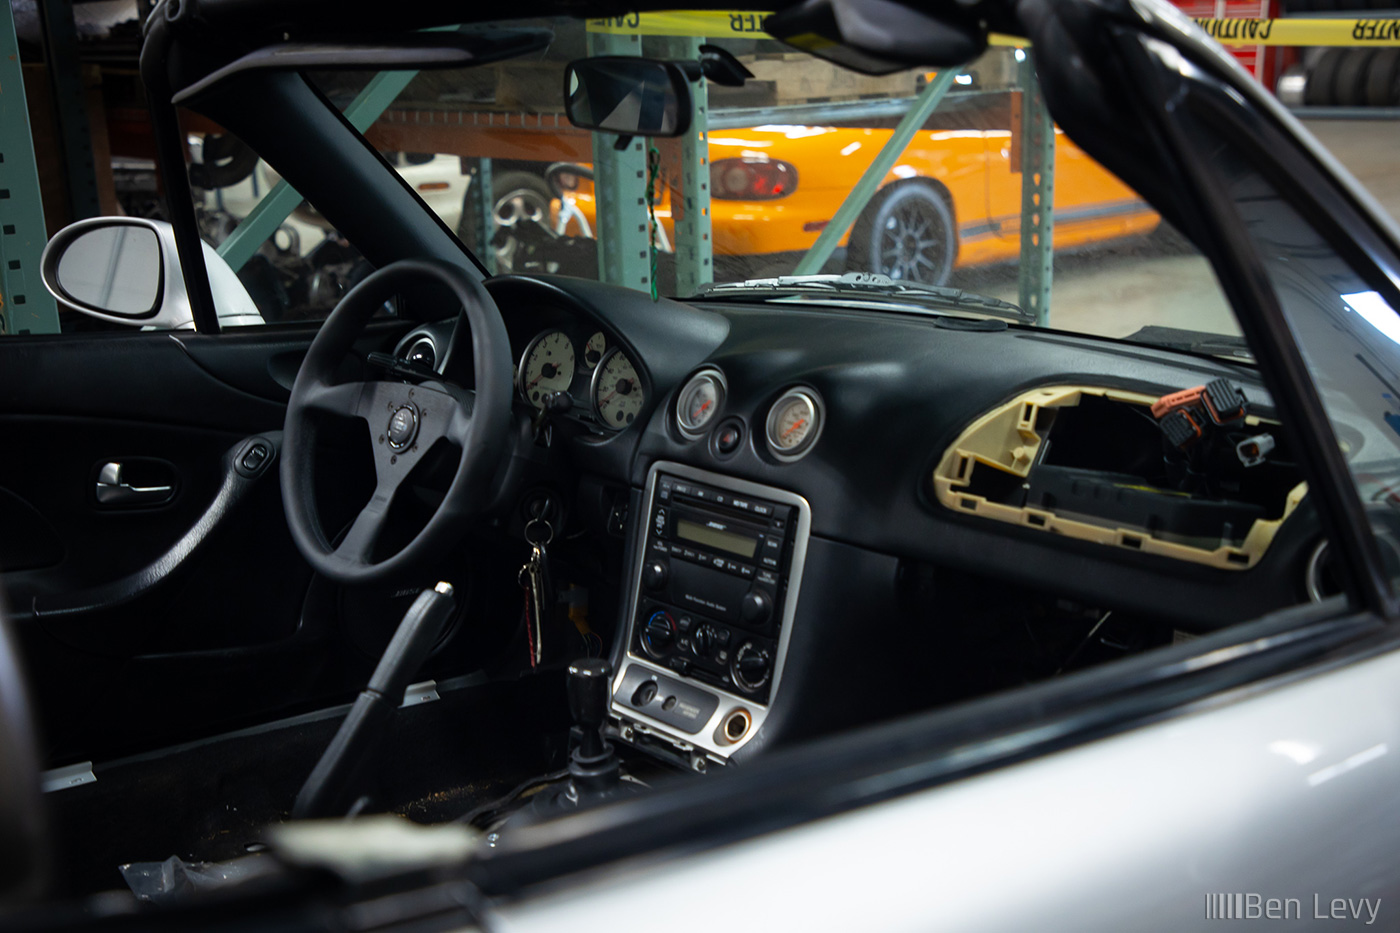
[(403, 427)]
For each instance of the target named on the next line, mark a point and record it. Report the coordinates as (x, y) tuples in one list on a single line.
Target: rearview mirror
[(127, 270), (880, 37), (628, 96)]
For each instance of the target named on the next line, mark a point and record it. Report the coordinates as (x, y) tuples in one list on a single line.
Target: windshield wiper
[(871, 284)]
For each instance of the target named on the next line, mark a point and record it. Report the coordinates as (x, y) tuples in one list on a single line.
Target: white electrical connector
[(1253, 450)]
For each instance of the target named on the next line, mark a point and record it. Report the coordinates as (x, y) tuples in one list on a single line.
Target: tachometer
[(699, 401), (547, 366), (794, 422), (617, 391), (593, 351)]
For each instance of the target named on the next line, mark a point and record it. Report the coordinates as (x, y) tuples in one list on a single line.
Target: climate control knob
[(658, 633), (704, 641), (751, 667)]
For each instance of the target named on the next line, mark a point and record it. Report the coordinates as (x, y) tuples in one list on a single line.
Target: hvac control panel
[(711, 599)]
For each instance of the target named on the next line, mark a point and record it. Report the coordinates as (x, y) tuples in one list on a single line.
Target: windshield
[(955, 180)]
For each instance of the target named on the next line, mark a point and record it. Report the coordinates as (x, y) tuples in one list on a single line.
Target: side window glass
[(1349, 335), (291, 263)]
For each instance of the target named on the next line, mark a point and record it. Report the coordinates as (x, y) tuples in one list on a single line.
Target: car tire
[(1322, 82), (907, 233), (518, 196), (1352, 73), (1383, 81)]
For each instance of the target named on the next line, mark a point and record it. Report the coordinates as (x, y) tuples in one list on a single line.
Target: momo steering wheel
[(404, 421)]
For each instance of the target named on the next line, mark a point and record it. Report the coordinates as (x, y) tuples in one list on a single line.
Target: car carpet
[(208, 801)]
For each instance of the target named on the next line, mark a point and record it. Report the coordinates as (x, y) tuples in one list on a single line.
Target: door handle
[(111, 490)]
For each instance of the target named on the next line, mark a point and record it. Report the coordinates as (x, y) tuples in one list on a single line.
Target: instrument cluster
[(601, 383)]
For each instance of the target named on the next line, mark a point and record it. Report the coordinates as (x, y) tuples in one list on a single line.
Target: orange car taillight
[(751, 180)]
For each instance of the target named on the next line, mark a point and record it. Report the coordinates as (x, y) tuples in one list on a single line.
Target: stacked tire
[(1343, 77)]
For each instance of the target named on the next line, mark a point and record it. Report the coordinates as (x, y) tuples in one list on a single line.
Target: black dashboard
[(853, 413)]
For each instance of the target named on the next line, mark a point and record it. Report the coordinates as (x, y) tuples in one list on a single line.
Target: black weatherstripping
[(841, 774)]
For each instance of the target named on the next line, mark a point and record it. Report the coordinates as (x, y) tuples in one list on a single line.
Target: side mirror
[(127, 270), (628, 96)]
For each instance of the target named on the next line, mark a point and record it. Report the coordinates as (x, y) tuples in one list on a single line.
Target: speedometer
[(618, 395), (547, 366)]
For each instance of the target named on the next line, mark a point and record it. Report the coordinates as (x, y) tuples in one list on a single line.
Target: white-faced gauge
[(547, 366), (618, 394)]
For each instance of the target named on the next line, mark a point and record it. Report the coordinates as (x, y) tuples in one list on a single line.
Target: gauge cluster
[(601, 382)]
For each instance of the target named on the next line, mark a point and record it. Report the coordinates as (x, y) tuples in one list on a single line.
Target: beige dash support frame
[(1006, 439)]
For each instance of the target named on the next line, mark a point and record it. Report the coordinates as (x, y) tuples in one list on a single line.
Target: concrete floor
[(1116, 290)]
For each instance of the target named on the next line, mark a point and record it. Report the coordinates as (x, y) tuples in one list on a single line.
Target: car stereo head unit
[(712, 599)]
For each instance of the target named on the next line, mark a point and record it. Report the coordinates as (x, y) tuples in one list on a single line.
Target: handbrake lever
[(334, 784)]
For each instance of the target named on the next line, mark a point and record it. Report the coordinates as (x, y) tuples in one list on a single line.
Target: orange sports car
[(952, 199)]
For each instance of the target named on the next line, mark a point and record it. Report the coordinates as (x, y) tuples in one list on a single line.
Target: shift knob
[(590, 686)]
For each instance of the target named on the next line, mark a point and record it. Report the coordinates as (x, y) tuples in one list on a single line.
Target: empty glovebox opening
[(1098, 464), (1106, 459)]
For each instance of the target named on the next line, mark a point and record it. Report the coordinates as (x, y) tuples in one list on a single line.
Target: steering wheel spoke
[(345, 399), (358, 543)]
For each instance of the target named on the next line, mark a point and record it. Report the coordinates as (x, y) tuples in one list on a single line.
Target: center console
[(712, 595)]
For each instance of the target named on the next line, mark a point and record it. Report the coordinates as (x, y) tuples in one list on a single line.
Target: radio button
[(767, 578), (731, 567), (741, 504), (717, 562), (762, 508), (689, 554), (746, 571), (676, 550)]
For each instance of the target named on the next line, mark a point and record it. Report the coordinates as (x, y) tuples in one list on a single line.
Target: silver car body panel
[(1285, 793)]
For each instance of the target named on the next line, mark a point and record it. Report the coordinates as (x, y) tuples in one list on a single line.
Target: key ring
[(545, 539)]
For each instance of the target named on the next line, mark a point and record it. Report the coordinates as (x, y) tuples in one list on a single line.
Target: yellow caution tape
[(1289, 32), (1363, 32), (708, 23)]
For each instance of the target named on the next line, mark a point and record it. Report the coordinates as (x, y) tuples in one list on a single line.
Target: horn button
[(403, 427)]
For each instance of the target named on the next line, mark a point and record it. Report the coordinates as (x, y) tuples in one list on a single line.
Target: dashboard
[(835, 515)]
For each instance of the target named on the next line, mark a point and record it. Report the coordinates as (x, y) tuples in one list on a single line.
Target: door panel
[(152, 622)]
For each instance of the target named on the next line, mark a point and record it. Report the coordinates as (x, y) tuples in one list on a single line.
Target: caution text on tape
[(1288, 32)]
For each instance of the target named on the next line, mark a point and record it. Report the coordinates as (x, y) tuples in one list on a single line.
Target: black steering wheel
[(404, 421)]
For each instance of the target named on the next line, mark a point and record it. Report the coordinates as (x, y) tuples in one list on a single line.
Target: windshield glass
[(915, 178)]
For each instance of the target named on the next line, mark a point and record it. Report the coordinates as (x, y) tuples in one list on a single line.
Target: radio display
[(742, 545)]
